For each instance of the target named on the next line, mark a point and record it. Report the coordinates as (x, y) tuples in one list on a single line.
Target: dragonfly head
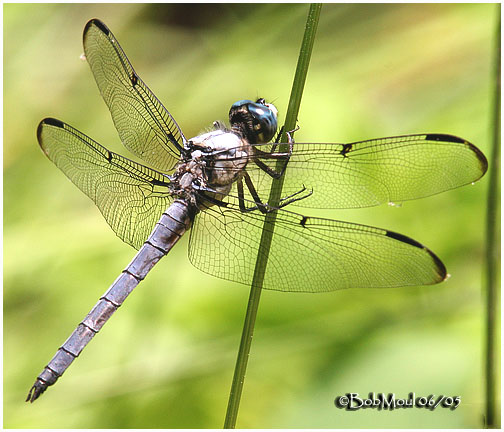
[(256, 121)]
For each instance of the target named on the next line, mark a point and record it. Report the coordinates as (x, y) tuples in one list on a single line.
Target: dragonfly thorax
[(215, 161)]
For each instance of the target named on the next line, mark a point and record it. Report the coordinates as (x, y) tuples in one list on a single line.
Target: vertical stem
[(267, 233), (492, 414)]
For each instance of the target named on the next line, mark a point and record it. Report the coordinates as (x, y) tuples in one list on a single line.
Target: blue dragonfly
[(216, 184)]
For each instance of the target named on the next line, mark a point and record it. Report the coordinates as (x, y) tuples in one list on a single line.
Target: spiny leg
[(265, 208), (273, 155), (277, 139), (289, 137)]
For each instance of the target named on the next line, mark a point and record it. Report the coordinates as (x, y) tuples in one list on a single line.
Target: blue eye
[(257, 121)]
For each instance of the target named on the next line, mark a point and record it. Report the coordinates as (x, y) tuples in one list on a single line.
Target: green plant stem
[(267, 233), (492, 414)]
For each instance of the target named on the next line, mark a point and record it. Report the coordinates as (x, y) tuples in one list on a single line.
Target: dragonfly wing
[(369, 173), (130, 196), (308, 254), (143, 123)]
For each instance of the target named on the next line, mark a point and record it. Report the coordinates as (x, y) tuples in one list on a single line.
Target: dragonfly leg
[(277, 139), (274, 155), (279, 135), (265, 208), (296, 196), (241, 198)]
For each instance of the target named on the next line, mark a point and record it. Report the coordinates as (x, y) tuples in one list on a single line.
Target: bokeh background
[(166, 358)]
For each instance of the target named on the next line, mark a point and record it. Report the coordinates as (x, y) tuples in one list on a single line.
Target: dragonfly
[(217, 185)]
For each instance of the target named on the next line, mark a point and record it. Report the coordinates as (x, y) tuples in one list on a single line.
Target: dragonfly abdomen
[(171, 226)]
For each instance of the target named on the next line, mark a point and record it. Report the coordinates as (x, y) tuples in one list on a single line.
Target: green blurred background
[(166, 359)]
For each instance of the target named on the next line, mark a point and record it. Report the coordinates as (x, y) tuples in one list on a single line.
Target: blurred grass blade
[(267, 234), (492, 402)]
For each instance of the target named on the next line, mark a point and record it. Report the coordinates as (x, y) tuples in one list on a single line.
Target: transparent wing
[(130, 196), (308, 254), (143, 123), (369, 173)]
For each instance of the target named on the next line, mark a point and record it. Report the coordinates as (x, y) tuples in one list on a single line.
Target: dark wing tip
[(404, 239), (440, 267), (481, 158), (441, 273), (444, 137), (452, 138), (52, 122), (98, 23), (47, 121)]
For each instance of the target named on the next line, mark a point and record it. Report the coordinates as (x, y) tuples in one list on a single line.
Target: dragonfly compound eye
[(257, 121)]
